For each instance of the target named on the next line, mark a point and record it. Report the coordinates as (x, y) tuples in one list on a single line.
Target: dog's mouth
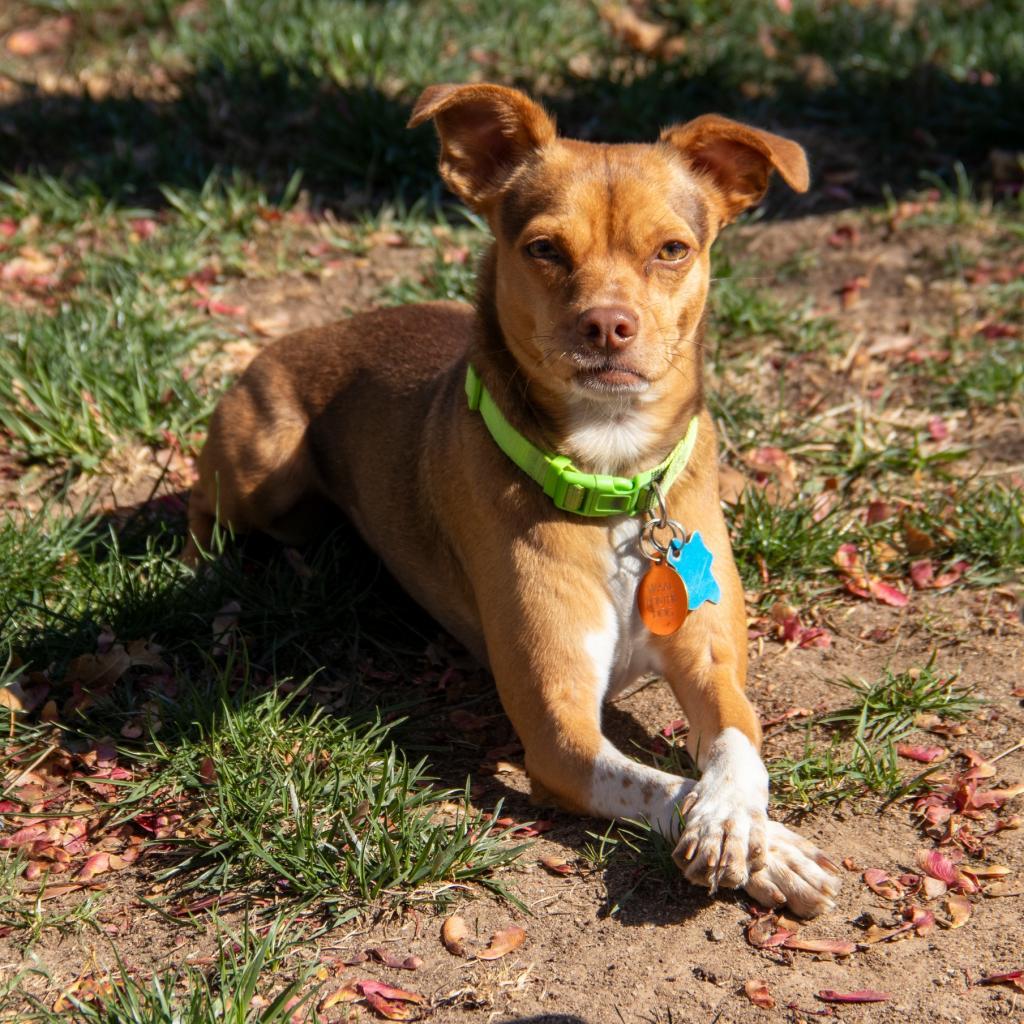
[(608, 378)]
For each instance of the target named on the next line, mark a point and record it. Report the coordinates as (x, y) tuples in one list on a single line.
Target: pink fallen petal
[(847, 558), (934, 863), (915, 752), (922, 574), (369, 986), (952, 575), (888, 594), (863, 995), (879, 882), (97, 864), (937, 429)]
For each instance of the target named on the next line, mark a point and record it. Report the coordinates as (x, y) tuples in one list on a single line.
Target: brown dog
[(586, 343)]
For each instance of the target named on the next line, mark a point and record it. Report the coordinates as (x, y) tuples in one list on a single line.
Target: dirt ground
[(669, 952)]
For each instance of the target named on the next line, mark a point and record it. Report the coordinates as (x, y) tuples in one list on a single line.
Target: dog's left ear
[(738, 158), (486, 131)]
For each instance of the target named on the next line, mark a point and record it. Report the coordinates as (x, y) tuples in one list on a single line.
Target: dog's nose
[(607, 327)]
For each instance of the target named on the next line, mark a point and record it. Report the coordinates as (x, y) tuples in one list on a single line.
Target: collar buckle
[(591, 494)]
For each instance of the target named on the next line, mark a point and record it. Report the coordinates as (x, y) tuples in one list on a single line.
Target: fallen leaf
[(923, 754), (757, 992), (1015, 978), (934, 863), (959, 909), (503, 943), (390, 1009), (345, 994), (921, 920), (207, 771), (466, 721), (48, 35), (97, 864), (765, 931), (996, 889), (556, 866), (454, 933), (879, 882), (838, 947), (863, 995), (368, 986), (398, 963), (876, 933), (988, 871)]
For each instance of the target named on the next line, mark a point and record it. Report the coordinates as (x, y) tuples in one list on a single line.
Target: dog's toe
[(722, 841), (796, 873)]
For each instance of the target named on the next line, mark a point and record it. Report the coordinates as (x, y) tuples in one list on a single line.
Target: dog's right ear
[(486, 131)]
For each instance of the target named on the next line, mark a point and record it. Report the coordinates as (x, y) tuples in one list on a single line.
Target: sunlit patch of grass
[(782, 542), (293, 804), (252, 982), (887, 708), (979, 523), (104, 371), (862, 760)]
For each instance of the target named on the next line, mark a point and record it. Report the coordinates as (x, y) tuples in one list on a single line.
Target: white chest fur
[(606, 436), (633, 653)]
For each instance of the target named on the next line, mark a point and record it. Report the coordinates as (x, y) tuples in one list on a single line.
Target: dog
[(540, 472)]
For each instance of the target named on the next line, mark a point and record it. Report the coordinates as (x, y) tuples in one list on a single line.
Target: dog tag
[(661, 598), (693, 561)]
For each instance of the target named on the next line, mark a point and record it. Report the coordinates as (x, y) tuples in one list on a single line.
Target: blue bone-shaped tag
[(692, 561)]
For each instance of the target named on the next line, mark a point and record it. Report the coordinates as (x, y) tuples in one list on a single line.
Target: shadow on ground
[(352, 146)]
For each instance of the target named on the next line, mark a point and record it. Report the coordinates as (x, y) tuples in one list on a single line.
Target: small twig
[(35, 764), (1009, 750)]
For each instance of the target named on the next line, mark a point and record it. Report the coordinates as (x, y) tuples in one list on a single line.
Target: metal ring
[(649, 542), (662, 520)]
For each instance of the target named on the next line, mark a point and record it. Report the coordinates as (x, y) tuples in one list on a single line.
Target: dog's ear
[(738, 158), (486, 131)]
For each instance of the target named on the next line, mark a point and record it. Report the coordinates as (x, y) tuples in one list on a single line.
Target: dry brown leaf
[(996, 889), (838, 947), (642, 36), (454, 933), (758, 993), (345, 994), (959, 908), (556, 865), (988, 871), (503, 943)]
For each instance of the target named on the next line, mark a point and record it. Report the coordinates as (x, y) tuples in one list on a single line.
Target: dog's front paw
[(724, 835), (725, 816), (796, 873)]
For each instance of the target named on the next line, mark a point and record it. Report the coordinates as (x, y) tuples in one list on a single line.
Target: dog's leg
[(552, 656), (727, 837)]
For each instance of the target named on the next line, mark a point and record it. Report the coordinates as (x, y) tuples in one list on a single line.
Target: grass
[(108, 370), (887, 709), (862, 759), (311, 808), (240, 988)]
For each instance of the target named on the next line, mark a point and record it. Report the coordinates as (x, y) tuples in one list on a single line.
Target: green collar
[(586, 494)]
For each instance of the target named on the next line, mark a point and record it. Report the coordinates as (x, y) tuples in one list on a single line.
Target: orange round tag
[(661, 598)]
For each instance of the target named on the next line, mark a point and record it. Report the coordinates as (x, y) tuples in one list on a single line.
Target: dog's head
[(602, 251)]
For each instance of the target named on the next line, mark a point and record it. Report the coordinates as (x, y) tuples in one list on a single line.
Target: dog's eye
[(543, 249), (673, 252)]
